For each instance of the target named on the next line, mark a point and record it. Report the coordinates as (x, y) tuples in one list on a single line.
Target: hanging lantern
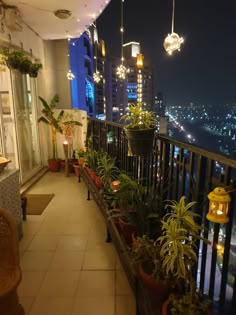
[(139, 61), (115, 185), (219, 201), (173, 42), (110, 137)]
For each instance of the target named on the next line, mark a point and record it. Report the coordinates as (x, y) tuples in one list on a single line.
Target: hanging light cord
[(96, 48), (122, 32), (173, 17)]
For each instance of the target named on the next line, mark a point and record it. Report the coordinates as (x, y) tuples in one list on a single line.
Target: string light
[(173, 41), (121, 70)]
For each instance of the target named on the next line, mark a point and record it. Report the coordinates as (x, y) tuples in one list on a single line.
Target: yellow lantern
[(218, 205), (139, 61), (115, 185)]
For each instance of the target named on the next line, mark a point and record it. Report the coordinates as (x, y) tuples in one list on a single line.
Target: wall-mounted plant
[(18, 60)]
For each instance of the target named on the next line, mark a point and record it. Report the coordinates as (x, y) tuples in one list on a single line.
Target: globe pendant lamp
[(121, 70), (219, 200), (173, 41)]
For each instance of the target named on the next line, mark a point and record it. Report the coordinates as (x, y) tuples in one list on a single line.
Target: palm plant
[(49, 118)]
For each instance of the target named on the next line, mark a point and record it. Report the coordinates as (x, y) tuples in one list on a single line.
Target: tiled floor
[(67, 267)]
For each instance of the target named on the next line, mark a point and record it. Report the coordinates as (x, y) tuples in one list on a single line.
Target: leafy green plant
[(137, 118), (147, 252), (107, 170), (80, 153), (34, 69), (179, 253), (51, 120)]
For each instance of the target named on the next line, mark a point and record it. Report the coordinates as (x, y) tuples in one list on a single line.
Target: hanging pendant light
[(96, 75), (121, 70), (70, 75), (173, 41)]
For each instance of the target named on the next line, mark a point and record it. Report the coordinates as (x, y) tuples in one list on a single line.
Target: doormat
[(36, 203)]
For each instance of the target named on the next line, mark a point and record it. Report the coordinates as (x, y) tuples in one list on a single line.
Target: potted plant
[(53, 121), (140, 129), (179, 257), (79, 154), (107, 170), (18, 60), (145, 253), (34, 69)]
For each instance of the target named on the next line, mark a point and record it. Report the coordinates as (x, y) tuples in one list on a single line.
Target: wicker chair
[(10, 272)]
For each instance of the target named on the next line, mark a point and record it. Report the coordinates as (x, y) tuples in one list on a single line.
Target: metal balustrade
[(191, 171)]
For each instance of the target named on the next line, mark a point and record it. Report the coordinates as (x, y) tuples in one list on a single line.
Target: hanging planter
[(140, 130), (140, 142), (18, 60)]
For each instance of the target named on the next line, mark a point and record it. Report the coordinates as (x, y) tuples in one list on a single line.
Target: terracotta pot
[(157, 288), (54, 165), (127, 231), (98, 182), (81, 161)]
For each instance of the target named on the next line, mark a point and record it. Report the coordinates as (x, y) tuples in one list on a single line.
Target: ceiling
[(39, 16)]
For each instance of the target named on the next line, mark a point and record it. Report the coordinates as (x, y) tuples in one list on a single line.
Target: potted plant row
[(163, 238)]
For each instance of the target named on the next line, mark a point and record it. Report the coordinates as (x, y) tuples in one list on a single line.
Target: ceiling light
[(62, 14)]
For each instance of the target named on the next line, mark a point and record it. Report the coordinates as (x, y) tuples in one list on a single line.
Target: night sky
[(204, 71)]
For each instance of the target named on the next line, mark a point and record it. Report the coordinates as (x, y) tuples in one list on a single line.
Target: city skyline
[(203, 71)]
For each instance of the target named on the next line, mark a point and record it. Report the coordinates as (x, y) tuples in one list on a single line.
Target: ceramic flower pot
[(140, 142)]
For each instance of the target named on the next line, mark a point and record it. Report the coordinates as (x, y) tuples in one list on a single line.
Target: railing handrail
[(219, 157)]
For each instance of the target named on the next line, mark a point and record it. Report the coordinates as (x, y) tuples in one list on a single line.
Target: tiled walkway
[(67, 267)]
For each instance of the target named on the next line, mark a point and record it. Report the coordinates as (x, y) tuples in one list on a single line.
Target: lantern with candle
[(219, 200)]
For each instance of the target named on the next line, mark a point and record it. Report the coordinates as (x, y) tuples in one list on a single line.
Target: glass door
[(24, 99), (8, 146)]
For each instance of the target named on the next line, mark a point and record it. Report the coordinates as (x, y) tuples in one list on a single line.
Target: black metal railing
[(194, 172)]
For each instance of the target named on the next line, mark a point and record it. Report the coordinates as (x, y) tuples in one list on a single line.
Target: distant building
[(137, 87), (159, 105), (82, 65)]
